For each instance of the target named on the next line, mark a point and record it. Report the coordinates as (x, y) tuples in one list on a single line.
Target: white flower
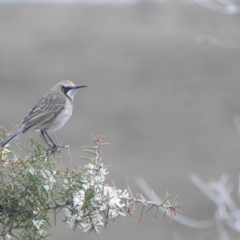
[(8, 236), (78, 198), (46, 187), (38, 224), (113, 213), (125, 194), (41, 232), (86, 226), (49, 179), (36, 211), (93, 201), (103, 206)]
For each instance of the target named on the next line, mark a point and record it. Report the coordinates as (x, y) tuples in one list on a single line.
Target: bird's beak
[(78, 86)]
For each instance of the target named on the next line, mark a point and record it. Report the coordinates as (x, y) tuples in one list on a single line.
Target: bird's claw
[(57, 148)]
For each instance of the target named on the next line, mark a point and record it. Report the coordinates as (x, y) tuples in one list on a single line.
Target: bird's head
[(68, 88)]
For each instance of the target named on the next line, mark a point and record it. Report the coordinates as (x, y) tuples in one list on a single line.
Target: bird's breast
[(61, 119)]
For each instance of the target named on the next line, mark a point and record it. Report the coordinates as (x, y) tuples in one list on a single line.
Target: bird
[(50, 113)]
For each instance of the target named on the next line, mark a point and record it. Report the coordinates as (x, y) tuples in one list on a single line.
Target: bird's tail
[(10, 137)]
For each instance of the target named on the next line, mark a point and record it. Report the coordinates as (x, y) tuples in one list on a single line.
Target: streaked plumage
[(51, 113)]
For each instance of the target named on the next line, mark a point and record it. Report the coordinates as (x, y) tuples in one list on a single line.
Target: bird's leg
[(53, 143)]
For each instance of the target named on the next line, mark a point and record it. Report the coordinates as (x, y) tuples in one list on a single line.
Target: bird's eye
[(65, 89)]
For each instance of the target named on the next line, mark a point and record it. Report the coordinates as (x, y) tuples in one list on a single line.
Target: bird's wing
[(49, 106)]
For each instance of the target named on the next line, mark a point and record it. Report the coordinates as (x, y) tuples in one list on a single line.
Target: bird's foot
[(57, 148)]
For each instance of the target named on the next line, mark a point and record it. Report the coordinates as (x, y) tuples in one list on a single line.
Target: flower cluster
[(47, 178), (94, 202), (38, 185), (38, 224)]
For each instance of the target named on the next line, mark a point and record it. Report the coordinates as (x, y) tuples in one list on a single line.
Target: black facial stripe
[(66, 89)]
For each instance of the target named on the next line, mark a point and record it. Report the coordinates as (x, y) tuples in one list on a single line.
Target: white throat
[(71, 93)]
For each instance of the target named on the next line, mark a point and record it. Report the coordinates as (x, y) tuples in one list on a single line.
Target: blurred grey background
[(163, 86)]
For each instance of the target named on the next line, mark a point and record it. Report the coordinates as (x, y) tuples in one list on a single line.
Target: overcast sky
[(70, 1)]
